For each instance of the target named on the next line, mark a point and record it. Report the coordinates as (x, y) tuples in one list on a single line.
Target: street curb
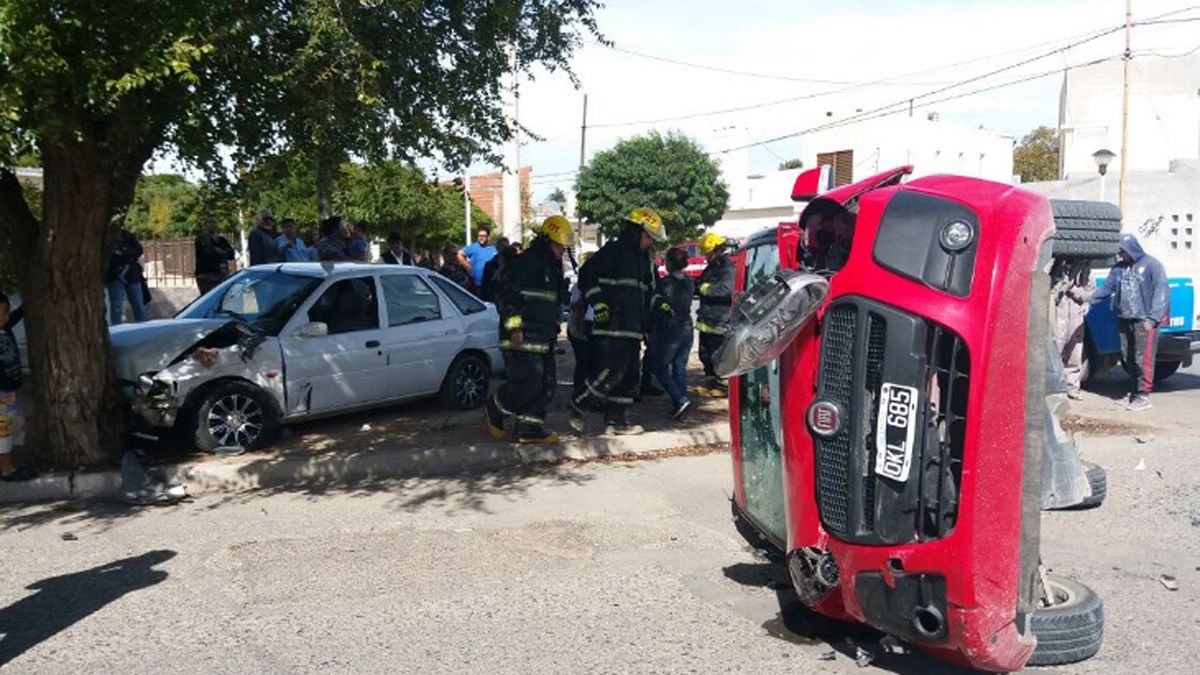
[(348, 470)]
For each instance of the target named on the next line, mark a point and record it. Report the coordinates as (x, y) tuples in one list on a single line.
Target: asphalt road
[(577, 568)]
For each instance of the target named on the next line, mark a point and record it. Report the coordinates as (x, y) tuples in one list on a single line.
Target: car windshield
[(264, 299)]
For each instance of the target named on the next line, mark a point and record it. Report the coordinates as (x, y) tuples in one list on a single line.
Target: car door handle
[(371, 344)]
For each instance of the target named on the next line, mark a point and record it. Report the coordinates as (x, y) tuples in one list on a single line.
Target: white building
[(1164, 114), (856, 152), (1162, 192)]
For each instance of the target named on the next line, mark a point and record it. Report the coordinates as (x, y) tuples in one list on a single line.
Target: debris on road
[(1141, 465), (228, 450), (1169, 582), (67, 536), (863, 658), (1148, 438), (365, 427), (827, 656)]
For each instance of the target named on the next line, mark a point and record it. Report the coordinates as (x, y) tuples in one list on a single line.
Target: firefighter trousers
[(709, 344), (616, 379), (527, 391)]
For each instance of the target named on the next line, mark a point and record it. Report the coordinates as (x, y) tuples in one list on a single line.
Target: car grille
[(865, 344)]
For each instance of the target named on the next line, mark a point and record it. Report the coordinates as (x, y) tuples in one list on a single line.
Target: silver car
[(279, 343)]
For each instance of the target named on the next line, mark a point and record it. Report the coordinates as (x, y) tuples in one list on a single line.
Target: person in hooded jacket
[(617, 282), (1138, 290), (712, 317), (533, 291)]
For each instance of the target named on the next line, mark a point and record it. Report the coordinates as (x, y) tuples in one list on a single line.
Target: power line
[(901, 106)]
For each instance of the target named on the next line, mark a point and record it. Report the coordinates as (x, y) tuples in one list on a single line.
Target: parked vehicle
[(281, 343), (1090, 231), (696, 262), (908, 411)]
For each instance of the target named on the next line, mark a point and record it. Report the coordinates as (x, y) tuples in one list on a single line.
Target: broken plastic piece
[(1169, 582), (365, 427), (862, 657), (1141, 465)]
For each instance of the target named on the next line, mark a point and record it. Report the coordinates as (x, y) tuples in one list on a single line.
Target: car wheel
[(1098, 481), (1072, 628), (235, 413), (1165, 369), (466, 384)]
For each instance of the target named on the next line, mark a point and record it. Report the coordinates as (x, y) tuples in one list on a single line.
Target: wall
[(1164, 114)]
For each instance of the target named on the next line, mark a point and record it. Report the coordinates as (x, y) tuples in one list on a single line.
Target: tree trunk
[(324, 172), (75, 417)]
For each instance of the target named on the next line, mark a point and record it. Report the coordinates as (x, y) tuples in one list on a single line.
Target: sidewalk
[(417, 439)]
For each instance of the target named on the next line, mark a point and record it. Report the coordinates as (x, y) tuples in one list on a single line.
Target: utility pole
[(582, 156), (1125, 105)]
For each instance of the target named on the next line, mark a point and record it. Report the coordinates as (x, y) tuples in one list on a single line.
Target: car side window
[(347, 306), (409, 300), (464, 301)]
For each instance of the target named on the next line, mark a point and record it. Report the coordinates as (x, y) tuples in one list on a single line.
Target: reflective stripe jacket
[(621, 277), (716, 296), (532, 293)]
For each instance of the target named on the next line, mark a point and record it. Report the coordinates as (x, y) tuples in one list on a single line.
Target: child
[(10, 383), (671, 331)]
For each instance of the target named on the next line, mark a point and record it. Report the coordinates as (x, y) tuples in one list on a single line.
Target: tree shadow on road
[(797, 624), (64, 600)]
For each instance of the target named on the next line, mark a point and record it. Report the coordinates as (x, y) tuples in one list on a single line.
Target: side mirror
[(313, 329)]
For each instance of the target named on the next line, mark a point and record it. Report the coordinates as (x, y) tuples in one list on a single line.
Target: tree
[(164, 205), (791, 164), (97, 87), (670, 173), (395, 197), (1036, 156), (557, 196)]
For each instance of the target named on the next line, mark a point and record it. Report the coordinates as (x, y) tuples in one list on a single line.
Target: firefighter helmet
[(559, 230), (649, 221), (710, 241)]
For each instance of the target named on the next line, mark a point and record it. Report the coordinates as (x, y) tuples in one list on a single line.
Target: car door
[(424, 333), (347, 366)]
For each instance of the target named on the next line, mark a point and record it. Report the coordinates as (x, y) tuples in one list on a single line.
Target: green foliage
[(670, 173), (791, 164), (557, 196), (395, 197), (164, 205), (1036, 157), (284, 183)]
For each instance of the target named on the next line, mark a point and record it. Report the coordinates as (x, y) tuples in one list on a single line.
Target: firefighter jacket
[(716, 296), (532, 295), (617, 283)]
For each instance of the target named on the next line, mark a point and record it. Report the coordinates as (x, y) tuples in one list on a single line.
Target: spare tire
[(1084, 229), (1072, 629)]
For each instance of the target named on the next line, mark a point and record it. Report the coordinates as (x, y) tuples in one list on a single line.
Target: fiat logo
[(825, 418)]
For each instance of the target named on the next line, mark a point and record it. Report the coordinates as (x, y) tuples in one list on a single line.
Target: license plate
[(894, 431)]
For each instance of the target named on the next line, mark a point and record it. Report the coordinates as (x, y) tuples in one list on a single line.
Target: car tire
[(1098, 481), (467, 383), (1085, 230), (239, 402), (1165, 369), (1070, 631)]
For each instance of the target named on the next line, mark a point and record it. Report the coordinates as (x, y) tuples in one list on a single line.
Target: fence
[(169, 263)]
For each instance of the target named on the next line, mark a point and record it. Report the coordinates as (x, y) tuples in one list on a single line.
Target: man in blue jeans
[(123, 280), (671, 331)]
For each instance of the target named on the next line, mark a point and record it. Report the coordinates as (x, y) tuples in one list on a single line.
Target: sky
[(836, 58)]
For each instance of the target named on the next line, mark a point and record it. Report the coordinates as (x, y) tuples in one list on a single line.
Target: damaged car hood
[(150, 346)]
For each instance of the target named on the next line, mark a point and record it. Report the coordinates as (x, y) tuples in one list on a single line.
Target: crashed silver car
[(279, 343)]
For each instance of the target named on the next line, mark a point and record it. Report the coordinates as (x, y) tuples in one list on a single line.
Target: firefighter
[(617, 282), (712, 318), (533, 292)]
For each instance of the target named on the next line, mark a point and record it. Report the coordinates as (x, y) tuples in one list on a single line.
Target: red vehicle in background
[(696, 262), (892, 452)]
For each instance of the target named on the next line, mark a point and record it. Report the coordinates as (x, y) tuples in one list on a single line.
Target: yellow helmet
[(650, 222), (710, 241), (559, 229)]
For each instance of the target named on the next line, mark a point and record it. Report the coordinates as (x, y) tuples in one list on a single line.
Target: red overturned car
[(887, 416)]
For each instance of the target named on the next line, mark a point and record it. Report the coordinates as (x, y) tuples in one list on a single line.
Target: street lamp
[(1103, 158)]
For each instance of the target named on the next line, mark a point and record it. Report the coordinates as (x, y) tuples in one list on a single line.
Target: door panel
[(759, 421), (423, 335), (347, 367)]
